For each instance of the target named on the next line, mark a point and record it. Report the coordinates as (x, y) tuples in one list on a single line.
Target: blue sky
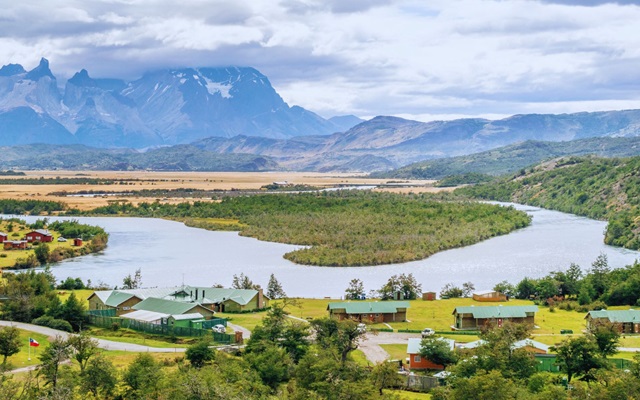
[(415, 59)]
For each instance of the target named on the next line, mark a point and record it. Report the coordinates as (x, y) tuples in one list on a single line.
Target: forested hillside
[(594, 187)]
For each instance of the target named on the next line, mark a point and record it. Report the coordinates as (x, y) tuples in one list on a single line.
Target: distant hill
[(174, 158), (508, 159), (598, 188)]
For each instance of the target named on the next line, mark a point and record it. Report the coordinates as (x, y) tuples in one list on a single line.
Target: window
[(126, 308), (417, 359)]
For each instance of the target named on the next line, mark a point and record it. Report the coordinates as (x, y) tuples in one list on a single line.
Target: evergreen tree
[(355, 290), (9, 342), (274, 288), (73, 312)]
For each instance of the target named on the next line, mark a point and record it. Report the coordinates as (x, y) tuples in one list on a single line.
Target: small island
[(31, 245)]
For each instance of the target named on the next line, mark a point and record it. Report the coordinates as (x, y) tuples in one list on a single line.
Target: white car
[(427, 332), (362, 328), (219, 328)]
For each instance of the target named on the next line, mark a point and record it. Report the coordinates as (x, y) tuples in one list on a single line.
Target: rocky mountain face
[(161, 108)]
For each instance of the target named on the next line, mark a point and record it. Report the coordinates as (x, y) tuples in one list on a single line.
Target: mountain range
[(234, 111)]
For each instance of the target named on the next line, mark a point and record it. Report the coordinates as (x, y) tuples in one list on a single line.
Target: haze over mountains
[(235, 111)]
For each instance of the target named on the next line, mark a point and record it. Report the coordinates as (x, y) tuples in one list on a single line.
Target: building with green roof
[(475, 317), (172, 307), (369, 311), (627, 321)]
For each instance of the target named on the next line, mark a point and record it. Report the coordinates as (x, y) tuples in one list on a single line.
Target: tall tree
[(355, 290), (606, 336), (84, 348), (274, 288), (243, 282), (143, 378), (580, 357), (467, 289), (100, 377), (9, 342), (341, 336), (51, 358), (438, 351), (132, 282), (73, 311)]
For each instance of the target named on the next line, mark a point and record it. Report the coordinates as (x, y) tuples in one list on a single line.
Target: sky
[(422, 59)]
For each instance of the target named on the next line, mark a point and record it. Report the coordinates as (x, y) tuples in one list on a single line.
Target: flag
[(33, 342)]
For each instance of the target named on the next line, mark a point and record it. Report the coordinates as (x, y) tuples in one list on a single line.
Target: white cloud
[(405, 57)]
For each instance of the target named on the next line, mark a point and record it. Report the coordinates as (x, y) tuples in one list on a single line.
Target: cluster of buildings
[(35, 236), (186, 306)]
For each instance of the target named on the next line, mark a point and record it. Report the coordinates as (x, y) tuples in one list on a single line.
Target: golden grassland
[(9, 257), (176, 180)]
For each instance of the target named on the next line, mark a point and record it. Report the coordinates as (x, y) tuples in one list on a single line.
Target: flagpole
[(29, 349)]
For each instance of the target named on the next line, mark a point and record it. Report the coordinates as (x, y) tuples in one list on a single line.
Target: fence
[(422, 383), (547, 362), (208, 324), (111, 312), (158, 329)]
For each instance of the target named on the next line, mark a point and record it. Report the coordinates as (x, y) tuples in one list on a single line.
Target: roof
[(146, 316), (618, 316), (165, 306), (3, 234), (190, 316), (116, 298), (483, 292), (365, 307), (517, 345), (42, 232), (414, 344), (471, 345), (496, 311), (188, 294)]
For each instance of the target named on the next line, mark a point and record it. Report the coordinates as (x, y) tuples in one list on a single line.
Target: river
[(168, 252)]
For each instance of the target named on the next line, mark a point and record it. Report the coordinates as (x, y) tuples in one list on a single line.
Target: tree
[(599, 275), (73, 311), (467, 289), (84, 348), (199, 353), (132, 282), (450, 291), (9, 342), (579, 356), (42, 253), (273, 364), (341, 336), (355, 290), (403, 286), (438, 351), (526, 288), (606, 337), (143, 377), (274, 288), (505, 288), (243, 282), (99, 377), (54, 354), (385, 375)]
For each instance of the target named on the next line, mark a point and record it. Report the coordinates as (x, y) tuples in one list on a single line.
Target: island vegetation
[(344, 228), (599, 188)]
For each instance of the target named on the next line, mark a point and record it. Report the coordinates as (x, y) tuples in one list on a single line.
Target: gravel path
[(102, 343)]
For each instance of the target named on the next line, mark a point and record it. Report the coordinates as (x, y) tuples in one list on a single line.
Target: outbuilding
[(3, 237), (489, 296), (416, 361), (15, 244), (77, 242)]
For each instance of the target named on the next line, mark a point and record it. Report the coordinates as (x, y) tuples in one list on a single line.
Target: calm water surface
[(168, 251)]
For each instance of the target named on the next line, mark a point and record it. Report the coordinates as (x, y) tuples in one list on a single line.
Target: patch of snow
[(182, 81), (156, 87), (218, 87)]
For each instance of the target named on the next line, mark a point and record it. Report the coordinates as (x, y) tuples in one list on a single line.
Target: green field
[(21, 359)]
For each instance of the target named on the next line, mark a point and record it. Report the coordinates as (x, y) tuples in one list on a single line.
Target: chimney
[(196, 294), (260, 298)]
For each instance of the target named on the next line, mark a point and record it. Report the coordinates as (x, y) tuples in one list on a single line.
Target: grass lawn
[(130, 336), (396, 351), (406, 395), (82, 295), (247, 320), (21, 359), (122, 359), (8, 257)]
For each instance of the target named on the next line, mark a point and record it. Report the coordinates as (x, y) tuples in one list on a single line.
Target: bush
[(53, 323), (115, 326)]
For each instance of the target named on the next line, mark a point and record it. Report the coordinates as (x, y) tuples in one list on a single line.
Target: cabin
[(77, 242), (370, 311), (15, 244), (626, 321), (489, 296), (120, 300), (475, 317), (416, 361), (3, 237), (39, 235)]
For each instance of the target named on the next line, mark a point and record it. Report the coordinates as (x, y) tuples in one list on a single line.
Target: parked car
[(219, 328), (427, 332), (362, 328)]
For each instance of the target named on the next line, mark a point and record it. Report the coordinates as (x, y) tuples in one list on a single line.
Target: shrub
[(53, 323), (115, 326)]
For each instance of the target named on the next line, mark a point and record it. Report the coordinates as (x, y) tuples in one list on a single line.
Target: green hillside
[(508, 159), (598, 188)]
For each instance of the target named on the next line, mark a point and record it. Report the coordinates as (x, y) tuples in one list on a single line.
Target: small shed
[(3, 237), (77, 242), (489, 296), (429, 296), (192, 320)]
